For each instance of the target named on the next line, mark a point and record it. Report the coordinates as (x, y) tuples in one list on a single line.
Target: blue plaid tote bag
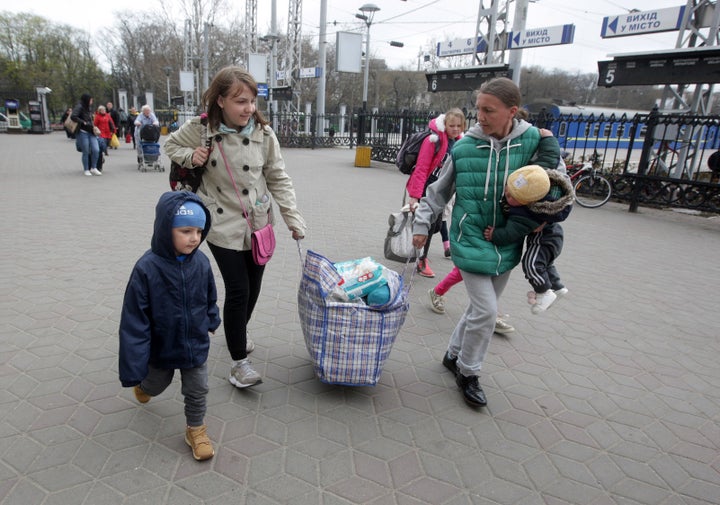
[(347, 341)]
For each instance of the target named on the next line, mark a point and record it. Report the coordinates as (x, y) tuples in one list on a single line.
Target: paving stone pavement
[(611, 397)]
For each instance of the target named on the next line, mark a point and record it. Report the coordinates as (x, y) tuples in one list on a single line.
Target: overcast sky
[(413, 22)]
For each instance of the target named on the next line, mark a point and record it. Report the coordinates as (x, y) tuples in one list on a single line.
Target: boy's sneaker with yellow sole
[(196, 437)]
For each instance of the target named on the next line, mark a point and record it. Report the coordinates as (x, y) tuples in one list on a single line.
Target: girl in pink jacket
[(446, 129)]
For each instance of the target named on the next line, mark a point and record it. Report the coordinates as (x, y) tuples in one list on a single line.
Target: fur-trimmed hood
[(438, 125), (552, 204)]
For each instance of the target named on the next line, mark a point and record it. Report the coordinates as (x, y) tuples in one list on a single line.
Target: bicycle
[(592, 189)]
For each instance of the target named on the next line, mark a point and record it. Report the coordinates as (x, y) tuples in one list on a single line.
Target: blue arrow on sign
[(613, 25), (516, 39)]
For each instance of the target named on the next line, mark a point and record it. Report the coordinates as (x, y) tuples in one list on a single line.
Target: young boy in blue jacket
[(169, 308)]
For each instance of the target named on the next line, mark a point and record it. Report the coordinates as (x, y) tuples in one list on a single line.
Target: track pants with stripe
[(538, 262)]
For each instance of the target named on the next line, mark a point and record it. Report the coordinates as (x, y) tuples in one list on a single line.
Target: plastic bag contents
[(360, 277)]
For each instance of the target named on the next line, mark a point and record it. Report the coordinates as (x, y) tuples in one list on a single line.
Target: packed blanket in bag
[(348, 341)]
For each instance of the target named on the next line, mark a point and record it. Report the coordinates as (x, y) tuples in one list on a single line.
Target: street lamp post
[(272, 81), (167, 77), (368, 11)]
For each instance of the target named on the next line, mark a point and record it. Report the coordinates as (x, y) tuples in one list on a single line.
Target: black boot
[(471, 390), (450, 363)]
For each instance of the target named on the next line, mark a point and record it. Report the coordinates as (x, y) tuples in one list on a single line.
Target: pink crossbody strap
[(237, 191)]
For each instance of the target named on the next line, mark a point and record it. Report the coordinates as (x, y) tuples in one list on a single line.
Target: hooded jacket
[(432, 152), (82, 114), (169, 305), (477, 174), (553, 208)]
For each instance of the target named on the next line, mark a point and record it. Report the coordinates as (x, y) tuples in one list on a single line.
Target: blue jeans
[(87, 143)]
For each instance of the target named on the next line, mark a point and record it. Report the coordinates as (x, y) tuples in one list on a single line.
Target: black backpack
[(409, 150)]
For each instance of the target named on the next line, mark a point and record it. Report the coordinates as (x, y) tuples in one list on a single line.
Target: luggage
[(347, 341)]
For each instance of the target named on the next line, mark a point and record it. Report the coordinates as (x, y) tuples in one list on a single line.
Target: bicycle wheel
[(592, 192)]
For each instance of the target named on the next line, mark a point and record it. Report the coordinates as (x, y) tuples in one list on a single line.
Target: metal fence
[(654, 159)]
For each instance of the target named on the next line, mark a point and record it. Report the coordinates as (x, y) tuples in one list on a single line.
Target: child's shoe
[(437, 302), (543, 301), (196, 437), (423, 268), (141, 395), (561, 292), (501, 327)]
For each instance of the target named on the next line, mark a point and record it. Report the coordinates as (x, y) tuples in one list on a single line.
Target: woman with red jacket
[(446, 129), (106, 126)]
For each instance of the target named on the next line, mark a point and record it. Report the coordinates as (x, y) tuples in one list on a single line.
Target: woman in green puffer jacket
[(496, 146)]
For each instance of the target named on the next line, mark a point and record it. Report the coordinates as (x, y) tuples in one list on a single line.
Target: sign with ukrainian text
[(459, 47), (536, 37), (638, 23)]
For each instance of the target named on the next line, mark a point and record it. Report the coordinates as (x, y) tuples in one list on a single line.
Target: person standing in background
[(85, 139), (115, 116)]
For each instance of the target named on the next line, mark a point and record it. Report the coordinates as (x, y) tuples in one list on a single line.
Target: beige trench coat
[(259, 172)]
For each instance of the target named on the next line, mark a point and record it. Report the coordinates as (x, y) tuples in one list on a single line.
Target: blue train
[(600, 128)]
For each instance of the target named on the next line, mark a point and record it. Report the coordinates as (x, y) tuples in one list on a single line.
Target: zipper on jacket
[(185, 312)]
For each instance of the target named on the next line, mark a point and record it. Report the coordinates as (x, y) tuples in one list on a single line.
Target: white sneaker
[(561, 292), (95, 171), (249, 346), (501, 327), (543, 301), (87, 172), (242, 375), (437, 302)]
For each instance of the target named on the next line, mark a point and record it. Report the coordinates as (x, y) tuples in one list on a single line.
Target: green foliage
[(35, 52)]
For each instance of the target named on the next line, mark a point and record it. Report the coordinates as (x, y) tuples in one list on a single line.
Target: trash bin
[(362, 156)]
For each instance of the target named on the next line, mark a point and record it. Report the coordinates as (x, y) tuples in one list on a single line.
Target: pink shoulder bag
[(262, 241)]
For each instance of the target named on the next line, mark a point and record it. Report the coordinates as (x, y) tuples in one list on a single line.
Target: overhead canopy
[(696, 65)]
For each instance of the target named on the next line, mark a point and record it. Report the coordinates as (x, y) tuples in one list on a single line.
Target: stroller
[(149, 152)]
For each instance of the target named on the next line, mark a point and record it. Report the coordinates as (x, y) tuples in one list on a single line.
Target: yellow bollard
[(163, 130), (362, 156)]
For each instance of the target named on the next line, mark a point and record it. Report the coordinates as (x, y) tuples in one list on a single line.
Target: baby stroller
[(149, 155)]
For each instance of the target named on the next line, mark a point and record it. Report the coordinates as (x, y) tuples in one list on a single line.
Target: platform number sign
[(609, 77)]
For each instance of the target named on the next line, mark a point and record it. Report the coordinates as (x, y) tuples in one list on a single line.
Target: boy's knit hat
[(528, 184), (190, 214)]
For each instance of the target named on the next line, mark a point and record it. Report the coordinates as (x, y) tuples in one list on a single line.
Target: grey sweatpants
[(471, 337), (194, 389)]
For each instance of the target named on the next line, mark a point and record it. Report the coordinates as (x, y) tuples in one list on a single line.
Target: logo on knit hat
[(190, 214)]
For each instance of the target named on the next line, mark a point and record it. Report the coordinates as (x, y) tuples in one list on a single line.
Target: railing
[(652, 159)]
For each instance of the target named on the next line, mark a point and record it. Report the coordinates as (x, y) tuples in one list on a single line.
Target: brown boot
[(141, 395), (196, 437)]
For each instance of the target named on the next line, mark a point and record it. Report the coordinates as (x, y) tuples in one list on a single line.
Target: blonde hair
[(101, 108), (457, 113), (229, 80)]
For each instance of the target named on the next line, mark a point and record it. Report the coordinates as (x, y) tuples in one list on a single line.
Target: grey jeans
[(194, 389), (471, 337)]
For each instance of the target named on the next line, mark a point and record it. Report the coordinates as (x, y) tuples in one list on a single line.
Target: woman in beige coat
[(240, 136)]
